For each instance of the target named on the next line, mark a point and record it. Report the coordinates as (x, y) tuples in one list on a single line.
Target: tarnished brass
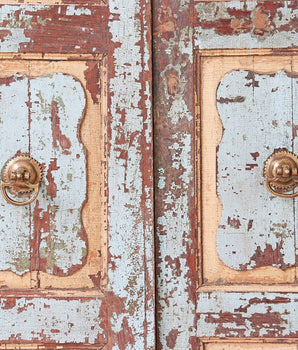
[(20, 175), (281, 174)]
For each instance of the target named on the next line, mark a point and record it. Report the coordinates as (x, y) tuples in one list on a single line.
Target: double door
[(158, 211)]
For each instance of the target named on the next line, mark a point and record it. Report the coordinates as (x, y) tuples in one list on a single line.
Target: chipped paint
[(47, 320), (44, 28), (174, 159), (246, 25), (217, 25), (15, 242), (256, 228), (131, 261), (42, 116), (54, 140), (258, 315)]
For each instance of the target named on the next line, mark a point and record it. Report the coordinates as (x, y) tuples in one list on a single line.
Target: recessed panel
[(52, 111), (247, 114)]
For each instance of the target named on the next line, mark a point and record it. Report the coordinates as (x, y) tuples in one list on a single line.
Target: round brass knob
[(281, 173), (21, 174)]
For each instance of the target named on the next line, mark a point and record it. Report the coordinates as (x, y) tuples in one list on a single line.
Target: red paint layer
[(58, 137), (52, 187), (171, 338), (92, 80), (52, 30), (259, 21), (268, 257)]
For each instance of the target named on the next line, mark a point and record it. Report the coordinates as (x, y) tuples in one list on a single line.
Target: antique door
[(226, 85), (76, 221)]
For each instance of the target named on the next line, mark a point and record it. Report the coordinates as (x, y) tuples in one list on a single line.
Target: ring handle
[(284, 195), (4, 186), (22, 174), (281, 173)]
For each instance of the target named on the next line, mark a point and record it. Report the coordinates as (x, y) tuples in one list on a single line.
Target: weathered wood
[(242, 345), (272, 315), (174, 173), (44, 232), (55, 28), (246, 25), (131, 286), (256, 228), (61, 320), (49, 30), (235, 25), (14, 221), (93, 274), (59, 242), (215, 69)]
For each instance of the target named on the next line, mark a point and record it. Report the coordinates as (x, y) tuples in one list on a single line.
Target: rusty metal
[(21, 174), (281, 173)]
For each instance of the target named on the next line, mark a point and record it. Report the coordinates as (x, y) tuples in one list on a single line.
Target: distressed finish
[(246, 25), (244, 57), (250, 346), (52, 29), (256, 228), (130, 182), (214, 69), (174, 174), (44, 125), (120, 314), (268, 315), (33, 320), (234, 34)]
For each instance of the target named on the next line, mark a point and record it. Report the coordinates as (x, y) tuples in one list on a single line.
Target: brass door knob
[(22, 174), (281, 174)]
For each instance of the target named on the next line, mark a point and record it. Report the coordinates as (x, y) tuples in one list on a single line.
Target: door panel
[(77, 97), (244, 226), (217, 121)]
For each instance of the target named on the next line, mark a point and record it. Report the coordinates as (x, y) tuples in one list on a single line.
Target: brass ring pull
[(21, 174), (281, 174)]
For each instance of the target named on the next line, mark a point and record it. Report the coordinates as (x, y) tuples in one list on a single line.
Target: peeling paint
[(271, 240), (33, 319), (54, 28), (45, 115), (258, 315), (131, 279), (246, 25), (174, 159)]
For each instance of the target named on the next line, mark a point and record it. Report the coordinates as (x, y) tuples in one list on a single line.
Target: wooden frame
[(93, 134), (209, 74)]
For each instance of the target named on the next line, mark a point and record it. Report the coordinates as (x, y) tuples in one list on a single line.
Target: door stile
[(131, 285), (174, 136)]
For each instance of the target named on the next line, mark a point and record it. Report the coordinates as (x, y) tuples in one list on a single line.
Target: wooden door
[(76, 263), (226, 87)]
